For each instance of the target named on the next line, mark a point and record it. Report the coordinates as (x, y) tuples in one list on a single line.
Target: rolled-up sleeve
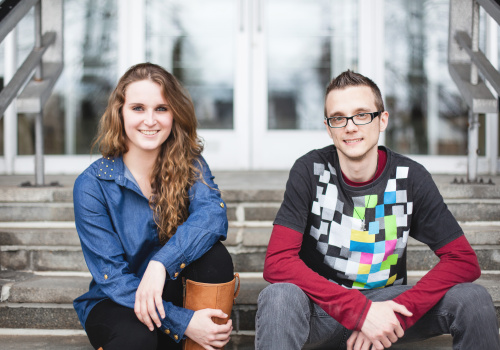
[(205, 225)]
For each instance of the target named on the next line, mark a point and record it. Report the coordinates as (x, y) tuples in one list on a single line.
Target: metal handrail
[(11, 12), (480, 60), (9, 92), (468, 66), (31, 95)]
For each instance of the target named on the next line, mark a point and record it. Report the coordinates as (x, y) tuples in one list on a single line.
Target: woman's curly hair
[(178, 164)]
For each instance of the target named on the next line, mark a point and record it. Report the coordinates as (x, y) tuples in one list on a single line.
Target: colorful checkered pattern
[(364, 259)]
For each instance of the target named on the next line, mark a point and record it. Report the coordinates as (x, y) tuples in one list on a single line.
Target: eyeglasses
[(358, 119)]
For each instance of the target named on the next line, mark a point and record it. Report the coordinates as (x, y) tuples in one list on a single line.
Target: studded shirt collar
[(110, 168)]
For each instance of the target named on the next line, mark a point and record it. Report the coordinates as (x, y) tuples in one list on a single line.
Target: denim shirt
[(119, 237)]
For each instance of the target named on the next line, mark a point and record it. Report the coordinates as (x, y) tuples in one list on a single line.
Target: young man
[(337, 254)]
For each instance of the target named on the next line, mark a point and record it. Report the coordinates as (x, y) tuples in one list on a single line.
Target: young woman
[(148, 214)]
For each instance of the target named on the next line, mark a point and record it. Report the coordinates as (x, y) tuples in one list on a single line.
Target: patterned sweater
[(356, 237)]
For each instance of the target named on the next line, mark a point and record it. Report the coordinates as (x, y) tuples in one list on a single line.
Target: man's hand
[(148, 296), (358, 341), (207, 333), (381, 325)]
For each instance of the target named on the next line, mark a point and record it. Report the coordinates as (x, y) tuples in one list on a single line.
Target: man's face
[(355, 142)]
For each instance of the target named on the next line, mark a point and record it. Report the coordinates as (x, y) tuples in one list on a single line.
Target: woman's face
[(147, 117)]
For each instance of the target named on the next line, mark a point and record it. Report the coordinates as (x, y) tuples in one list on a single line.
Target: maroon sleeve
[(283, 265), (458, 264)]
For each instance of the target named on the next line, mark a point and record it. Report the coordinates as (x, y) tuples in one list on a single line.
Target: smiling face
[(354, 143), (147, 117)]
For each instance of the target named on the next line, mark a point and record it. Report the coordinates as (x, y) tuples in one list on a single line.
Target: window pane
[(72, 112), (307, 43), (428, 115), (90, 69), (194, 39)]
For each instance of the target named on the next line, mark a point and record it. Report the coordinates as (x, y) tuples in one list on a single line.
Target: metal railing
[(472, 71), (30, 86)]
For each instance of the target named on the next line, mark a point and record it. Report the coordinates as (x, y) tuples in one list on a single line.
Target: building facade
[(257, 71)]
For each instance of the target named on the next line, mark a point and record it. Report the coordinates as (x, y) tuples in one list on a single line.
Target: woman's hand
[(148, 296), (205, 332)]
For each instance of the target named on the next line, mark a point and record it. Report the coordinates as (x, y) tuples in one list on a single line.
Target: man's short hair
[(349, 78)]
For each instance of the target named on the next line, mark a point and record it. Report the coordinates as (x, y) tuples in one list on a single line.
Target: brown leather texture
[(200, 296)]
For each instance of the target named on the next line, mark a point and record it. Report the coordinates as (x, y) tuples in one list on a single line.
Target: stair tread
[(38, 233), (236, 186), (238, 341), (34, 289)]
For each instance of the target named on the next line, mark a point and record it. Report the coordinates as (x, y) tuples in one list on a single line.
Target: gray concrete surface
[(238, 342)]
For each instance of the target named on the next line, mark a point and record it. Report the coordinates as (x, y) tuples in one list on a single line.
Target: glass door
[(257, 71), (298, 47), (204, 44)]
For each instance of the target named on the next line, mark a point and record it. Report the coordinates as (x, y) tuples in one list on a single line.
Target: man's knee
[(471, 298), (283, 317), (283, 297)]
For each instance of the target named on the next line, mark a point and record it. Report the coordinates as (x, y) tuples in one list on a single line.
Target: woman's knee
[(215, 266)]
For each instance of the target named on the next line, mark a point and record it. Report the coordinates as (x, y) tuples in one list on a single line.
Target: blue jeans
[(287, 319)]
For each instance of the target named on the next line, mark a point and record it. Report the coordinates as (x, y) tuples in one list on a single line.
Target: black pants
[(113, 326)]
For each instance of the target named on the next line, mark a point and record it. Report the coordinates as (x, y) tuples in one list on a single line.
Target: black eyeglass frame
[(373, 115)]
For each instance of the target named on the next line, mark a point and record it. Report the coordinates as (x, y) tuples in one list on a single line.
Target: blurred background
[(257, 71)]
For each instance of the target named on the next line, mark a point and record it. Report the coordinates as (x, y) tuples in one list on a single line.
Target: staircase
[(43, 270)]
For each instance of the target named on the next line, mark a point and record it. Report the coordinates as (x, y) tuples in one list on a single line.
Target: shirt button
[(183, 265), (222, 205), (167, 331), (105, 277), (176, 274), (176, 337)]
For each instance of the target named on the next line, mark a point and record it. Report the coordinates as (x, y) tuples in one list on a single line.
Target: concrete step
[(16, 194), (39, 234), (421, 259), (462, 209), (59, 211), (70, 258), (54, 246), (236, 186), (256, 200), (443, 342), (53, 233), (42, 258), (45, 302), (53, 339), (248, 247), (474, 209), (57, 340)]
